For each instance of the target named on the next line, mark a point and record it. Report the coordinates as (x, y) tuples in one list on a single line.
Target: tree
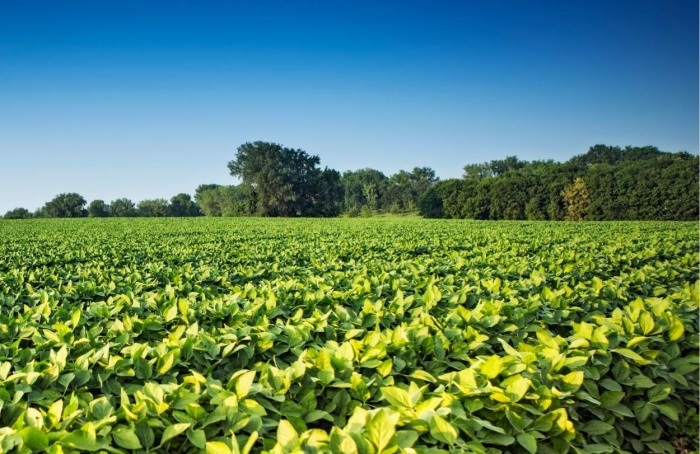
[(206, 196), (286, 181), (430, 204), (98, 209), (18, 213), (328, 201), (182, 205), (477, 171), (153, 208), (67, 205), (123, 208), (356, 185), (576, 199), (236, 200), (404, 189), (509, 195)]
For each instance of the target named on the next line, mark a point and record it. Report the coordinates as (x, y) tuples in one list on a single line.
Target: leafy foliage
[(347, 335), (18, 213), (68, 205), (634, 183), (576, 199), (286, 181), (98, 209)]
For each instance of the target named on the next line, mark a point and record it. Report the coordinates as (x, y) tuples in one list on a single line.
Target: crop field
[(348, 336)]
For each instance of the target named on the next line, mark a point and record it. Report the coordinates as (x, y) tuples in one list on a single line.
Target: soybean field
[(351, 335)]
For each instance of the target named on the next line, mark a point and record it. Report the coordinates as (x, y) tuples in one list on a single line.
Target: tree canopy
[(286, 181), (67, 205), (605, 183)]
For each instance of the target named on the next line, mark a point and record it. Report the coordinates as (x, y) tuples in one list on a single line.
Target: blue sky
[(147, 99)]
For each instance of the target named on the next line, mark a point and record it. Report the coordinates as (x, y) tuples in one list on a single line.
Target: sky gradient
[(148, 99)]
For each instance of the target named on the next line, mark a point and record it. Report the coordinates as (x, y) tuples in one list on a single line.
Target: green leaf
[(170, 313), (166, 362), (145, 434), (596, 428), (627, 353), (573, 380), (341, 442), (244, 383), (33, 418), (287, 436), (646, 322), (611, 398), (126, 438), (34, 439), (249, 444), (173, 431), (599, 339), (183, 306), (610, 385), (492, 367), (486, 424), (642, 381), (217, 447), (101, 408), (498, 439), (675, 329), (517, 389), (406, 438), (669, 411), (143, 368), (80, 440), (381, 428), (528, 442), (658, 392), (197, 438), (442, 430), (424, 376), (396, 396)]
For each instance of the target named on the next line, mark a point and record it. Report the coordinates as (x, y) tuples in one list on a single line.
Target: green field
[(347, 335)]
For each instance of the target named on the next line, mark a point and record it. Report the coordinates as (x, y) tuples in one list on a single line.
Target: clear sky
[(145, 99)]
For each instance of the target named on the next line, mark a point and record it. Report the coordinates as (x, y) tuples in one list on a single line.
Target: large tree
[(67, 205), (286, 181), (404, 189), (98, 209), (153, 208), (363, 188), (182, 205), (123, 208)]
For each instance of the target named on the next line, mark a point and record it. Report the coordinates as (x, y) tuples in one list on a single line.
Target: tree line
[(73, 205), (606, 183)]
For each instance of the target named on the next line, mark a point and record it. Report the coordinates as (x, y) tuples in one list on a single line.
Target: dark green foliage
[(98, 209), (634, 183), (182, 205), (363, 187), (18, 213), (404, 189), (155, 208), (123, 208), (286, 181), (67, 205), (328, 200), (215, 200), (430, 204)]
